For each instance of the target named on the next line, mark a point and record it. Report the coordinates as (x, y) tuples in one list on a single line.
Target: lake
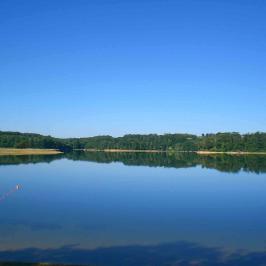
[(128, 209)]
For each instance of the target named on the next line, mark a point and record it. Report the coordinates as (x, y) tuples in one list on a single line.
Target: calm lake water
[(134, 209)]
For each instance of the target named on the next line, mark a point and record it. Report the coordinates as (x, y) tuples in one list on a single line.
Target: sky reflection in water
[(77, 210)]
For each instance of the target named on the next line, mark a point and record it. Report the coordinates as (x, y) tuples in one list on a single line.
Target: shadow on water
[(29, 159), (223, 163), (179, 253)]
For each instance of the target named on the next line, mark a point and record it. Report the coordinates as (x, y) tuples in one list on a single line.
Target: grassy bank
[(11, 151), (230, 152), (173, 151), (124, 150)]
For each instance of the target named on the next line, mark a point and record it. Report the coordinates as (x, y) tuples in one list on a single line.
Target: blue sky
[(83, 68)]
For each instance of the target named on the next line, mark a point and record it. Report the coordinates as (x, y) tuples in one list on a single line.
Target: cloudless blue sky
[(90, 67)]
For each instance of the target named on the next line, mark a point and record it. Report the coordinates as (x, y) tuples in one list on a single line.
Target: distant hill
[(228, 141), (30, 140)]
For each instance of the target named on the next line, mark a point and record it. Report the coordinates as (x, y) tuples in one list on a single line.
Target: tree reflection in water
[(223, 163)]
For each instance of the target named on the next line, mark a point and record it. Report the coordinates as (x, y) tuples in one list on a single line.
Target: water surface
[(133, 209)]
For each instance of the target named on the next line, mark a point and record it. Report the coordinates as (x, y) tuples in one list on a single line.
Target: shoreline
[(31, 151), (124, 150), (172, 151), (230, 152), (16, 152)]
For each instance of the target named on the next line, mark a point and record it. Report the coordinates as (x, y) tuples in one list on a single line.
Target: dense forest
[(180, 142), (30, 140), (138, 142), (232, 141)]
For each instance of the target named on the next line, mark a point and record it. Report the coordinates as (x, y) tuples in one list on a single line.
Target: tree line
[(30, 140), (229, 141)]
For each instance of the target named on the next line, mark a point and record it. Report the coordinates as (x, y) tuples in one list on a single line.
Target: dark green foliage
[(233, 141), (255, 142), (177, 142), (29, 140), (139, 142)]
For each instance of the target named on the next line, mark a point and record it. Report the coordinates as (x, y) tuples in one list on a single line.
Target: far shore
[(230, 152), (172, 151), (11, 151), (124, 150), (14, 151)]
